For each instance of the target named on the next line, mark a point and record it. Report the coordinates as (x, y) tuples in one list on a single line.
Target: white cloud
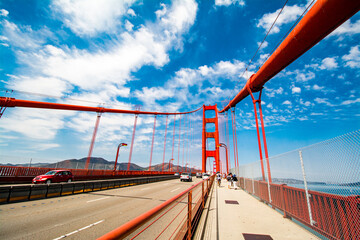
[(347, 28), (289, 14), (229, 2), (4, 12), (296, 90), (316, 114), (24, 37), (323, 101), (33, 123), (272, 92), (177, 88), (328, 64), (129, 26), (92, 16), (317, 87), (348, 102), (131, 12), (353, 58), (46, 146), (286, 102)]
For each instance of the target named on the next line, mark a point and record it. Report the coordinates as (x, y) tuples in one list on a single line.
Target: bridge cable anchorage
[(132, 139), (258, 101), (257, 50), (162, 169), (99, 113), (152, 142)]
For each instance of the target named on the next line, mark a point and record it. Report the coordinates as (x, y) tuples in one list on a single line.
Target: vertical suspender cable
[(227, 138), (132, 142), (236, 146), (233, 133), (173, 141), (93, 140), (179, 143), (162, 169), (183, 154), (152, 143)]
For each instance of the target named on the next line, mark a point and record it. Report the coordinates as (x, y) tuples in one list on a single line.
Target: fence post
[(189, 214), (306, 189), (202, 195), (268, 183)]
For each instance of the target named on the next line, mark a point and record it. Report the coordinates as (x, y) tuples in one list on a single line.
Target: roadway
[(84, 216)]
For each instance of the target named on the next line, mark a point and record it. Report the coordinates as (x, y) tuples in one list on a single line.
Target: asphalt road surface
[(86, 215)]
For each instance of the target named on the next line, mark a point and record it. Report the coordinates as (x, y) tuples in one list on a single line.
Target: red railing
[(174, 219), (10, 173), (334, 216)]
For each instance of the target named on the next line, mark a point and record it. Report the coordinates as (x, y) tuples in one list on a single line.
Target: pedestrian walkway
[(235, 214)]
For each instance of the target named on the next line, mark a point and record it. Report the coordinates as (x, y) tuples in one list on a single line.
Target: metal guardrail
[(23, 174), (181, 214), (334, 216), (29, 192)]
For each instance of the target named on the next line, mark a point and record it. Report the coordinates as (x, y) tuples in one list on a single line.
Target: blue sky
[(165, 56)]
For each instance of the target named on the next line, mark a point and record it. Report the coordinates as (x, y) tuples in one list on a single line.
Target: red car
[(54, 176)]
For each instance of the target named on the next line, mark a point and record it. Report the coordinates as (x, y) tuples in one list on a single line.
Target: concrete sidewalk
[(249, 219)]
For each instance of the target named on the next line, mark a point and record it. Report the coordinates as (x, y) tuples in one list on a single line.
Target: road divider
[(27, 192)]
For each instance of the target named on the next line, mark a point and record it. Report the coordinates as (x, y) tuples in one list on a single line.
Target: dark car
[(54, 176)]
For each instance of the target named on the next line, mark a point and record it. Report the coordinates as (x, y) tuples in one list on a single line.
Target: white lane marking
[(97, 199), (76, 231), (144, 189), (175, 189)]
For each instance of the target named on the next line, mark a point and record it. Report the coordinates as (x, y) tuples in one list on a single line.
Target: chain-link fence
[(318, 185)]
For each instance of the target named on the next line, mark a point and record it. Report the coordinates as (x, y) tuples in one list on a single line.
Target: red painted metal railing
[(174, 219), (334, 216), (10, 173)]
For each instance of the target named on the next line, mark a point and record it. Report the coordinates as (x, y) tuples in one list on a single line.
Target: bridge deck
[(249, 216)]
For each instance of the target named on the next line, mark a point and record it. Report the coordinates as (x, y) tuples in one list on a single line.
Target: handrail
[(129, 227)]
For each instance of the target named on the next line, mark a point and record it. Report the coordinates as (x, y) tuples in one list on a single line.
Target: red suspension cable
[(93, 140), (152, 143), (179, 143), (165, 143), (132, 142), (173, 140), (236, 146)]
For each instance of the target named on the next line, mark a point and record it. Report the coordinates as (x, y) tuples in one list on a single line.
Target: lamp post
[(226, 152), (186, 167), (170, 164), (117, 153)]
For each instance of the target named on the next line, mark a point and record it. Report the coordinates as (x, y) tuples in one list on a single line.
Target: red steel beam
[(322, 19), (12, 102)]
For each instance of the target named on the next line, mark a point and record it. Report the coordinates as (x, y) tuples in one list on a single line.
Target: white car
[(186, 177), (205, 176)]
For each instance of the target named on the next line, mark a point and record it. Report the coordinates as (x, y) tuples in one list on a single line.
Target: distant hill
[(98, 163)]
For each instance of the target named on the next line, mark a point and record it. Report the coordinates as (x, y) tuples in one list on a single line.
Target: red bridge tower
[(210, 135)]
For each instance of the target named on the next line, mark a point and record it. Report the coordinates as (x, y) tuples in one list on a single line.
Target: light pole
[(226, 152), (186, 167), (117, 153)]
